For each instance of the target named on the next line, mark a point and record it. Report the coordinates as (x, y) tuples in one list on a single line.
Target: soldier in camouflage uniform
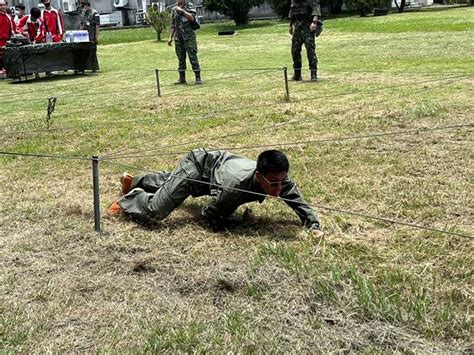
[(90, 21), (182, 15), (304, 24), (230, 179)]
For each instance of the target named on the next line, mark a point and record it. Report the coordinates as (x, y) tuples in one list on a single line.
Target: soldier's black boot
[(297, 75), (198, 77), (182, 78), (314, 75)]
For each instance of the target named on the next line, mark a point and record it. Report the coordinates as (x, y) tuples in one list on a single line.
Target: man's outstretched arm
[(294, 199)]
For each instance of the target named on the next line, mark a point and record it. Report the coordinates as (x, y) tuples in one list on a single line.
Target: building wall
[(257, 12), (130, 9)]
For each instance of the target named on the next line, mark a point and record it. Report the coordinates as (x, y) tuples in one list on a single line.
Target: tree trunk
[(240, 16), (400, 7)]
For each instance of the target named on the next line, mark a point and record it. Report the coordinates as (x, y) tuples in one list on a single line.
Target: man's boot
[(182, 78), (314, 75), (297, 75), (198, 77)]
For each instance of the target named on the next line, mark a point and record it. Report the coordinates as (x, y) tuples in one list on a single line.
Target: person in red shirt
[(19, 13), (53, 21), (6, 31), (32, 26)]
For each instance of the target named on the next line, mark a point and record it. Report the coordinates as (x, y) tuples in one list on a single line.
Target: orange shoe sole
[(115, 210), (126, 181)]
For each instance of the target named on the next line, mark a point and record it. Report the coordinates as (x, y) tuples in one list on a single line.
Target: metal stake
[(287, 90), (157, 73), (95, 184), (49, 111)]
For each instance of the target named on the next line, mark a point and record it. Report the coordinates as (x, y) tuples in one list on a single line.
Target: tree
[(158, 19), (281, 7), (237, 10)]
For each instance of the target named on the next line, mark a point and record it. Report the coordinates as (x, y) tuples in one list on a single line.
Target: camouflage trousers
[(302, 35), (187, 44)]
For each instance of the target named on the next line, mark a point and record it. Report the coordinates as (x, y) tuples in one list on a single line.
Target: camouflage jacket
[(304, 10), (180, 23), (89, 21)]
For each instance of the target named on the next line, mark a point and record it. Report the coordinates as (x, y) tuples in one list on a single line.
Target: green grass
[(442, 21), (266, 285), (128, 35)]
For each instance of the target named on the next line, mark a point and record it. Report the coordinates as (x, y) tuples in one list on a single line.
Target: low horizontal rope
[(84, 78), (303, 99), (92, 125), (120, 104), (222, 69), (102, 92), (248, 107), (327, 71), (206, 81), (299, 123), (85, 94), (39, 155), (327, 208), (286, 144)]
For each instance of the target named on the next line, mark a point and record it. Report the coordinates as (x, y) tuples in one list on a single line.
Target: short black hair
[(20, 6), (86, 3), (35, 12), (271, 161)]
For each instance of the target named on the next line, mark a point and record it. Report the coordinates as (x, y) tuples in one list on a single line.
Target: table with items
[(23, 60)]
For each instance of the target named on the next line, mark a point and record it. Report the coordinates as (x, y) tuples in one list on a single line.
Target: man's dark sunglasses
[(282, 183)]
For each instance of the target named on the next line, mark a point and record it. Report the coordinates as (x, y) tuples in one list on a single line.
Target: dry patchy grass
[(263, 286)]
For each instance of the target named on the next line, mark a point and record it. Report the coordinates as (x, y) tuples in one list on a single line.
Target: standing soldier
[(183, 18), (304, 25), (90, 21), (53, 21)]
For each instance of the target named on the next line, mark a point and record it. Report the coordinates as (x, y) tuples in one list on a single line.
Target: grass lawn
[(264, 286)]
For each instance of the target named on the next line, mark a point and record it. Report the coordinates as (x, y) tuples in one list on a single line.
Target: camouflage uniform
[(302, 13), (89, 21), (198, 174), (185, 38)]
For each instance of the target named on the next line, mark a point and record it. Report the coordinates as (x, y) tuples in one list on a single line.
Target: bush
[(281, 7), (452, 2), (365, 7), (334, 6), (237, 10)]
